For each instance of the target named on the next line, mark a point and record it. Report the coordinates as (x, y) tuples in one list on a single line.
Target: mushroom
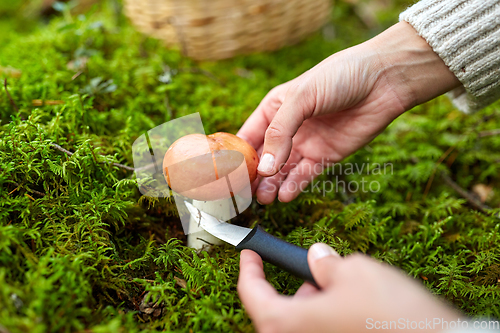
[(213, 170)]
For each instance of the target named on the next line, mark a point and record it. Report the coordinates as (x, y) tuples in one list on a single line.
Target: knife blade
[(276, 251)]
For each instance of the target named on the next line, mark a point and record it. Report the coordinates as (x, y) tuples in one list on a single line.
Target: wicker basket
[(217, 29)]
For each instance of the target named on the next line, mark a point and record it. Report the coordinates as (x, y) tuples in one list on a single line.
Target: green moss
[(79, 248)]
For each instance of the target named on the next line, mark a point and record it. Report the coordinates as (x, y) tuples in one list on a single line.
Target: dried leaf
[(180, 282), (10, 72), (77, 64), (484, 192), (41, 102)]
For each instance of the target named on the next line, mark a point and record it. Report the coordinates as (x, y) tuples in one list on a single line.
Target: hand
[(356, 292), (339, 106)]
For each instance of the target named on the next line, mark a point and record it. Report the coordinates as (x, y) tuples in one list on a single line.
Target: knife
[(278, 252)]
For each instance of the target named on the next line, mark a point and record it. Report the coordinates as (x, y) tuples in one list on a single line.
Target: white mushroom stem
[(198, 238)]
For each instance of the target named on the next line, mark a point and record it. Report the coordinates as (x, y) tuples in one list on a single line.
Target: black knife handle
[(287, 256)]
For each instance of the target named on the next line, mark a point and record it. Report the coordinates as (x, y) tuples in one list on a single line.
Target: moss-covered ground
[(80, 248)]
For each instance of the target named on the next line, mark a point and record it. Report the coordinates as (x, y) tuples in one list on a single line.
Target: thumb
[(323, 261), (297, 106)]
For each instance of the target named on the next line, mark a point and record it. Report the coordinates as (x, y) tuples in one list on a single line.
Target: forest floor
[(82, 250)]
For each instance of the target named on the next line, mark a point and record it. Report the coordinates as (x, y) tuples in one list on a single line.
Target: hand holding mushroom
[(339, 106)]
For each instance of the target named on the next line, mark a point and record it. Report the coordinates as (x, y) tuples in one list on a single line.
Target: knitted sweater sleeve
[(466, 35)]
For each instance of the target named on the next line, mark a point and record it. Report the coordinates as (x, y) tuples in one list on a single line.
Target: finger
[(323, 262), (259, 150), (306, 290), (255, 292), (254, 128), (298, 179), (297, 106), (269, 187), (255, 184)]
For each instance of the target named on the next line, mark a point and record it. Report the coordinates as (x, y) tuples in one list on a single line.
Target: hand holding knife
[(278, 252)]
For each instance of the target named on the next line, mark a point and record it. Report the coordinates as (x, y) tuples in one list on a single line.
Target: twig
[(93, 154), (56, 146), (489, 133), (76, 75), (466, 195), (170, 112), (10, 97), (441, 159), (119, 165), (30, 190), (146, 167), (205, 241), (123, 166), (152, 281)]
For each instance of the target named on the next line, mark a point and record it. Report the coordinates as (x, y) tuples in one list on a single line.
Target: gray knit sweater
[(466, 35)]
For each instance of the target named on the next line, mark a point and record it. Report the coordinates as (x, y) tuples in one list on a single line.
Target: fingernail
[(321, 250), (266, 163)]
